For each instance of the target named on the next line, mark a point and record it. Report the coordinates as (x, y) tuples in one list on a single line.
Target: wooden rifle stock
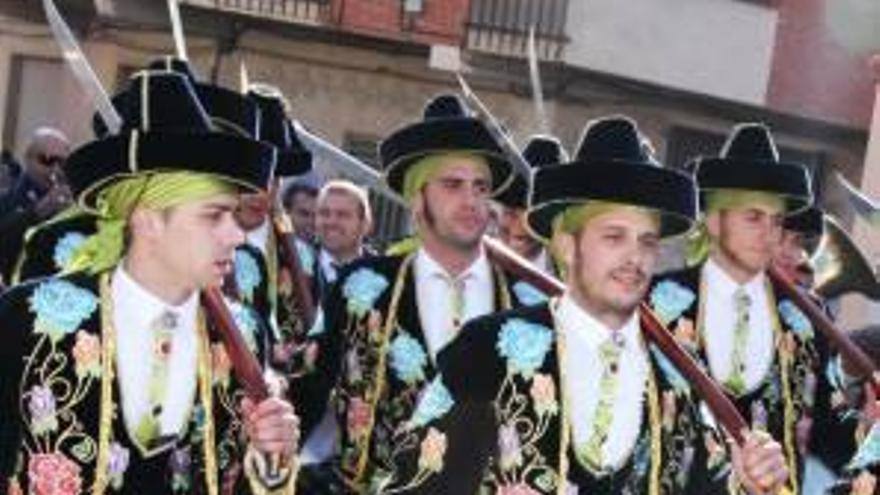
[(720, 405), (302, 287), (851, 353), (244, 363)]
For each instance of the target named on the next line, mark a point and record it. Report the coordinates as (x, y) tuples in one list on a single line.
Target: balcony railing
[(298, 11), (502, 27)]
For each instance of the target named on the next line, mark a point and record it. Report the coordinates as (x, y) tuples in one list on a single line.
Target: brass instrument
[(841, 267)]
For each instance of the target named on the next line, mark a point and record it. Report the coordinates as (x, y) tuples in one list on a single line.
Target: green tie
[(457, 285), (147, 430), (736, 380), (591, 452)]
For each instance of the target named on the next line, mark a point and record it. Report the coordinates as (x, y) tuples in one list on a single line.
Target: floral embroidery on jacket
[(524, 344), (61, 307), (65, 249), (247, 274), (408, 359), (361, 290), (670, 299)]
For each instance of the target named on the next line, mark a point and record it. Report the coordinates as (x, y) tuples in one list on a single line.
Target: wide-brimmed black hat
[(613, 163), (446, 127), (749, 161), (167, 129), (276, 129), (540, 150)]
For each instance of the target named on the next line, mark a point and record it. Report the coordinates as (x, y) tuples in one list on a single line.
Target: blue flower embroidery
[(670, 299), (247, 273), (869, 451), (673, 376), (528, 294), (408, 359), (306, 257), (61, 307), (362, 288), (434, 403), (66, 247), (796, 320), (524, 345)]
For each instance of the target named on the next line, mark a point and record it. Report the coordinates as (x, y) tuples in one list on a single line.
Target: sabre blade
[(81, 69), (347, 164), (504, 140), (537, 90), (177, 29)]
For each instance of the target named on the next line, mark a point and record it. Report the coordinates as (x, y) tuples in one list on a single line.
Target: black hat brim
[(787, 180), (435, 137), (669, 193), (516, 195), (238, 160)]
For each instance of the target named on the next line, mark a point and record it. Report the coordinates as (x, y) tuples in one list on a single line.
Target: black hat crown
[(539, 151), (445, 106), (276, 129), (171, 103), (614, 139), (751, 142), (543, 150), (170, 63)]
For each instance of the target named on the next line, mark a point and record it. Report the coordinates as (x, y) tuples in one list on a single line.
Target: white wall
[(718, 47)]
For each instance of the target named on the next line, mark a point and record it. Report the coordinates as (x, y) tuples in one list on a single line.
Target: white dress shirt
[(134, 311), (542, 262), (434, 296), (329, 265), (719, 319), (584, 334), (259, 237)]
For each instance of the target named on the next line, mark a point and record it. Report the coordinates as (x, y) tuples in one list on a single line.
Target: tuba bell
[(841, 267)]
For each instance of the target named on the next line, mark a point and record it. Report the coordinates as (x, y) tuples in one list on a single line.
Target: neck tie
[(457, 286), (148, 428), (736, 379), (590, 453)]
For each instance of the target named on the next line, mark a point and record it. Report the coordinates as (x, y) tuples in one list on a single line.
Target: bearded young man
[(728, 313), (113, 378), (386, 318), (568, 396)]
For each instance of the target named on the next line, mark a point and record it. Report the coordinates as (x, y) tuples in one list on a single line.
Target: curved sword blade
[(81, 69), (520, 165), (537, 90), (177, 29), (347, 164)]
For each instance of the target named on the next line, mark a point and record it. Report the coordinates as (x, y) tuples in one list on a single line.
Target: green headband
[(427, 168), (733, 199), (156, 191)]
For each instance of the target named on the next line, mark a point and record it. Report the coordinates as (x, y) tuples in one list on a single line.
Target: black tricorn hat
[(749, 161), (613, 163), (167, 129), (229, 110), (275, 129), (539, 151), (446, 127)]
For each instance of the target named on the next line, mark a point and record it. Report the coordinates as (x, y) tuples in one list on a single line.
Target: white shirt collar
[(718, 281), (328, 264), (259, 237), (127, 291), (593, 331), (427, 266)]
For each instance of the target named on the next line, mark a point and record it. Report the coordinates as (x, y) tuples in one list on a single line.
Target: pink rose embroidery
[(53, 474)]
